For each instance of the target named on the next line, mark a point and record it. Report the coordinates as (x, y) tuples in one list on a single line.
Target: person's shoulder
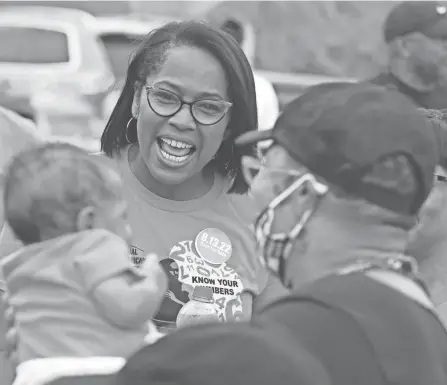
[(358, 297), (383, 79), (368, 316), (332, 292), (219, 349)]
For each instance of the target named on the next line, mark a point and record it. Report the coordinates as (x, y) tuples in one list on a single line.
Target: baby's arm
[(126, 296), (130, 299)]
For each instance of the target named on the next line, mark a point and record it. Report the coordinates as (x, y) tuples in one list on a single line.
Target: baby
[(72, 285)]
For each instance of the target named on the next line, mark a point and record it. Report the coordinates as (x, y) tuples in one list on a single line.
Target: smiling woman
[(189, 92)]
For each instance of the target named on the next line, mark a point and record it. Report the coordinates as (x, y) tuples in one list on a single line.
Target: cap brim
[(438, 30), (253, 137)]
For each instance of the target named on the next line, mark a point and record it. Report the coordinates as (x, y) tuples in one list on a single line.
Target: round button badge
[(214, 246)]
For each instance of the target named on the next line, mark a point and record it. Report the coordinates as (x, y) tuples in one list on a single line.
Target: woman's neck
[(192, 188)]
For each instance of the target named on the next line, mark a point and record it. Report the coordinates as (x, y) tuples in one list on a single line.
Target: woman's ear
[(86, 219)]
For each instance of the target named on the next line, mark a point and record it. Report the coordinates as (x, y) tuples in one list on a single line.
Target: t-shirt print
[(137, 255), (186, 269)]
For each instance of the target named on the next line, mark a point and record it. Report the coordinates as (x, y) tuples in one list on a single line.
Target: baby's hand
[(150, 263), (152, 268)]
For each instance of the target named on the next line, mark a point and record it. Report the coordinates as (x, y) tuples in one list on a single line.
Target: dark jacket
[(362, 331), (390, 81)]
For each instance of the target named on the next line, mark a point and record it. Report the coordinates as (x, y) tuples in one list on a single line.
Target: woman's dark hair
[(151, 55)]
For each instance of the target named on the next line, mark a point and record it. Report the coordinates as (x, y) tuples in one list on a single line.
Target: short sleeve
[(256, 276), (102, 255)]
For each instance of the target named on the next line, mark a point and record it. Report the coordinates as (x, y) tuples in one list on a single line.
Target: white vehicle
[(50, 46)]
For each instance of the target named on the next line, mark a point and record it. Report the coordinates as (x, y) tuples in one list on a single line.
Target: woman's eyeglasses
[(204, 111), (440, 178)]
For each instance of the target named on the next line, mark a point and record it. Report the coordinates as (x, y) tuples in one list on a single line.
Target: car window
[(32, 45), (119, 47)]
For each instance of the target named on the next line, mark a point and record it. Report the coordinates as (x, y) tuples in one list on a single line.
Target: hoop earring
[(128, 127)]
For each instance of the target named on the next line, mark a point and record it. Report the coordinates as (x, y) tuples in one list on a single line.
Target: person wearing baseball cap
[(416, 36), (340, 189)]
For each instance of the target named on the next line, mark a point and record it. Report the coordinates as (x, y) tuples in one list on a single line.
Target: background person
[(349, 170), (266, 98), (416, 35), (189, 92)]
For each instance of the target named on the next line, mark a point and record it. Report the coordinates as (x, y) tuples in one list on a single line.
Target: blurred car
[(121, 36), (45, 47)]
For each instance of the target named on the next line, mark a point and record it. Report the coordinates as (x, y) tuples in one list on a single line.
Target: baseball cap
[(427, 17), (222, 355), (342, 131)]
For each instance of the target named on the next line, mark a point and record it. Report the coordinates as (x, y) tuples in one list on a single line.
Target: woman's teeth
[(174, 143), (174, 150), (174, 158)]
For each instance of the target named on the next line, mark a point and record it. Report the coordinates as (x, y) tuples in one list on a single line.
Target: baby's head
[(56, 189)]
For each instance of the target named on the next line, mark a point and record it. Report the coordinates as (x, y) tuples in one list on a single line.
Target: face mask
[(276, 247)]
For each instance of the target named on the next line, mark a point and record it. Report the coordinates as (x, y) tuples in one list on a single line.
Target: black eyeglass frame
[(227, 105)]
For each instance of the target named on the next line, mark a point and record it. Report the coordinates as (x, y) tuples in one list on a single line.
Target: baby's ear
[(86, 219)]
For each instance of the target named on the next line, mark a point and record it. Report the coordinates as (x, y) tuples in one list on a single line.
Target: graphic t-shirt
[(201, 242)]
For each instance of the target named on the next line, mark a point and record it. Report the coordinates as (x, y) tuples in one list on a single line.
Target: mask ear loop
[(274, 240), (321, 190)]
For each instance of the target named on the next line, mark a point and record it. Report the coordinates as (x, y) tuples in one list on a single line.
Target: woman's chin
[(170, 177)]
